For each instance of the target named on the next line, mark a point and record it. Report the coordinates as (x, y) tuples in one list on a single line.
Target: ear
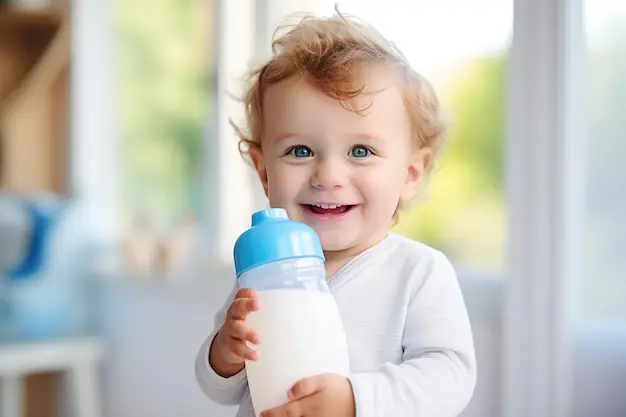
[(256, 154), (416, 168)]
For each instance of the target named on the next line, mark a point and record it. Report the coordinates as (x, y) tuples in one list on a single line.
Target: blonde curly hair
[(329, 52)]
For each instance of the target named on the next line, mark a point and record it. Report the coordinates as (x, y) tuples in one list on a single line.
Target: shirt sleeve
[(225, 391), (438, 373)]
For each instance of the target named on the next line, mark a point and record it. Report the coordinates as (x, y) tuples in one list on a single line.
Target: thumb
[(306, 387)]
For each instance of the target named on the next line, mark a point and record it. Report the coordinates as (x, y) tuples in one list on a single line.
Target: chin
[(333, 242)]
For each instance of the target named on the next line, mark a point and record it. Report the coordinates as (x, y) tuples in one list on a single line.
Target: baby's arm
[(226, 391), (438, 372)]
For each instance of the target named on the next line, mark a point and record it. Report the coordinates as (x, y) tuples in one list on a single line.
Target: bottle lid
[(274, 237)]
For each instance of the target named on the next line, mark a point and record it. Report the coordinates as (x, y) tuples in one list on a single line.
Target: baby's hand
[(230, 349), (318, 396)]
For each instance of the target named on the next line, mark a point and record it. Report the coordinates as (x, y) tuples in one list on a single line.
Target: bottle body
[(300, 326)]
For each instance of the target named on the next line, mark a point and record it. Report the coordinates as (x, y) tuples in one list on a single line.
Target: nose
[(328, 174)]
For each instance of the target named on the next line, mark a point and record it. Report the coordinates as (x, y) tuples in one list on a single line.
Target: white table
[(79, 358)]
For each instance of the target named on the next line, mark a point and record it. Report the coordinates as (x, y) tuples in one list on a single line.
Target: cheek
[(386, 179), (284, 182), (382, 192), (382, 186)]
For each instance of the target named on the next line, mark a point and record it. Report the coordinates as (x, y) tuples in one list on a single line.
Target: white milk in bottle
[(301, 330)]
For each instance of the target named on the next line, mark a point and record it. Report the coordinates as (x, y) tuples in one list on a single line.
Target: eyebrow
[(287, 135), (363, 136)]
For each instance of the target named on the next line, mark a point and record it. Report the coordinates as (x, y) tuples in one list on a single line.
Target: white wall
[(153, 332)]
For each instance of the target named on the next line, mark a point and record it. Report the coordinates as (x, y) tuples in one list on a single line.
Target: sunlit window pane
[(164, 74), (164, 69)]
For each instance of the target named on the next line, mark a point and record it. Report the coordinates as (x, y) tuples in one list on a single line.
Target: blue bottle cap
[(274, 237)]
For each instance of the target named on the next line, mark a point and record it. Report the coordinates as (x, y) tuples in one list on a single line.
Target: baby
[(342, 132)]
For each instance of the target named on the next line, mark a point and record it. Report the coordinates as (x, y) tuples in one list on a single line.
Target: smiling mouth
[(328, 209)]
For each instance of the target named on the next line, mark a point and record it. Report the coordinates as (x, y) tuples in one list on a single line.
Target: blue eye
[(301, 151), (360, 151)]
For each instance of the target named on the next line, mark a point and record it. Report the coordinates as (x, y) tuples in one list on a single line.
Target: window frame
[(545, 186), (93, 135), (225, 171)]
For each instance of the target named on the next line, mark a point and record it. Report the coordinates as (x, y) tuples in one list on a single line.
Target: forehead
[(297, 106)]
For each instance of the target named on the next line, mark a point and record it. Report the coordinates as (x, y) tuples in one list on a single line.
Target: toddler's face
[(340, 172)]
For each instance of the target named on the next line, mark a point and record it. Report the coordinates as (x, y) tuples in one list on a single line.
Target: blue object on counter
[(46, 295), (42, 223)]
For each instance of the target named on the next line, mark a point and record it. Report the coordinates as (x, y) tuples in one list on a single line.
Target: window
[(165, 68)]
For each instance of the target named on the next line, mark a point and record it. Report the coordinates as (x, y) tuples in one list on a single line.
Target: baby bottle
[(301, 331)]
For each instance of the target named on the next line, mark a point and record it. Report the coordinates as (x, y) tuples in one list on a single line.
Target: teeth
[(327, 206)]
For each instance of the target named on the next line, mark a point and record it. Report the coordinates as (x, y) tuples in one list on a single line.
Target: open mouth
[(328, 209)]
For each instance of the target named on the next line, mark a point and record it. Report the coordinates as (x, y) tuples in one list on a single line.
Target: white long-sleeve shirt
[(409, 336)]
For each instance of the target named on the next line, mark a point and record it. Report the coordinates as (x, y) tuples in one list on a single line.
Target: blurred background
[(121, 194)]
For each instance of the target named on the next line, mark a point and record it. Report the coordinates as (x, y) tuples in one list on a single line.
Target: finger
[(306, 387), (243, 306), (243, 350), (239, 330), (240, 308), (238, 351), (246, 293), (291, 409)]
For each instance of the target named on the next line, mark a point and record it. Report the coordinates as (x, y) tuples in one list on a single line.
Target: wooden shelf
[(50, 62), (34, 99)]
